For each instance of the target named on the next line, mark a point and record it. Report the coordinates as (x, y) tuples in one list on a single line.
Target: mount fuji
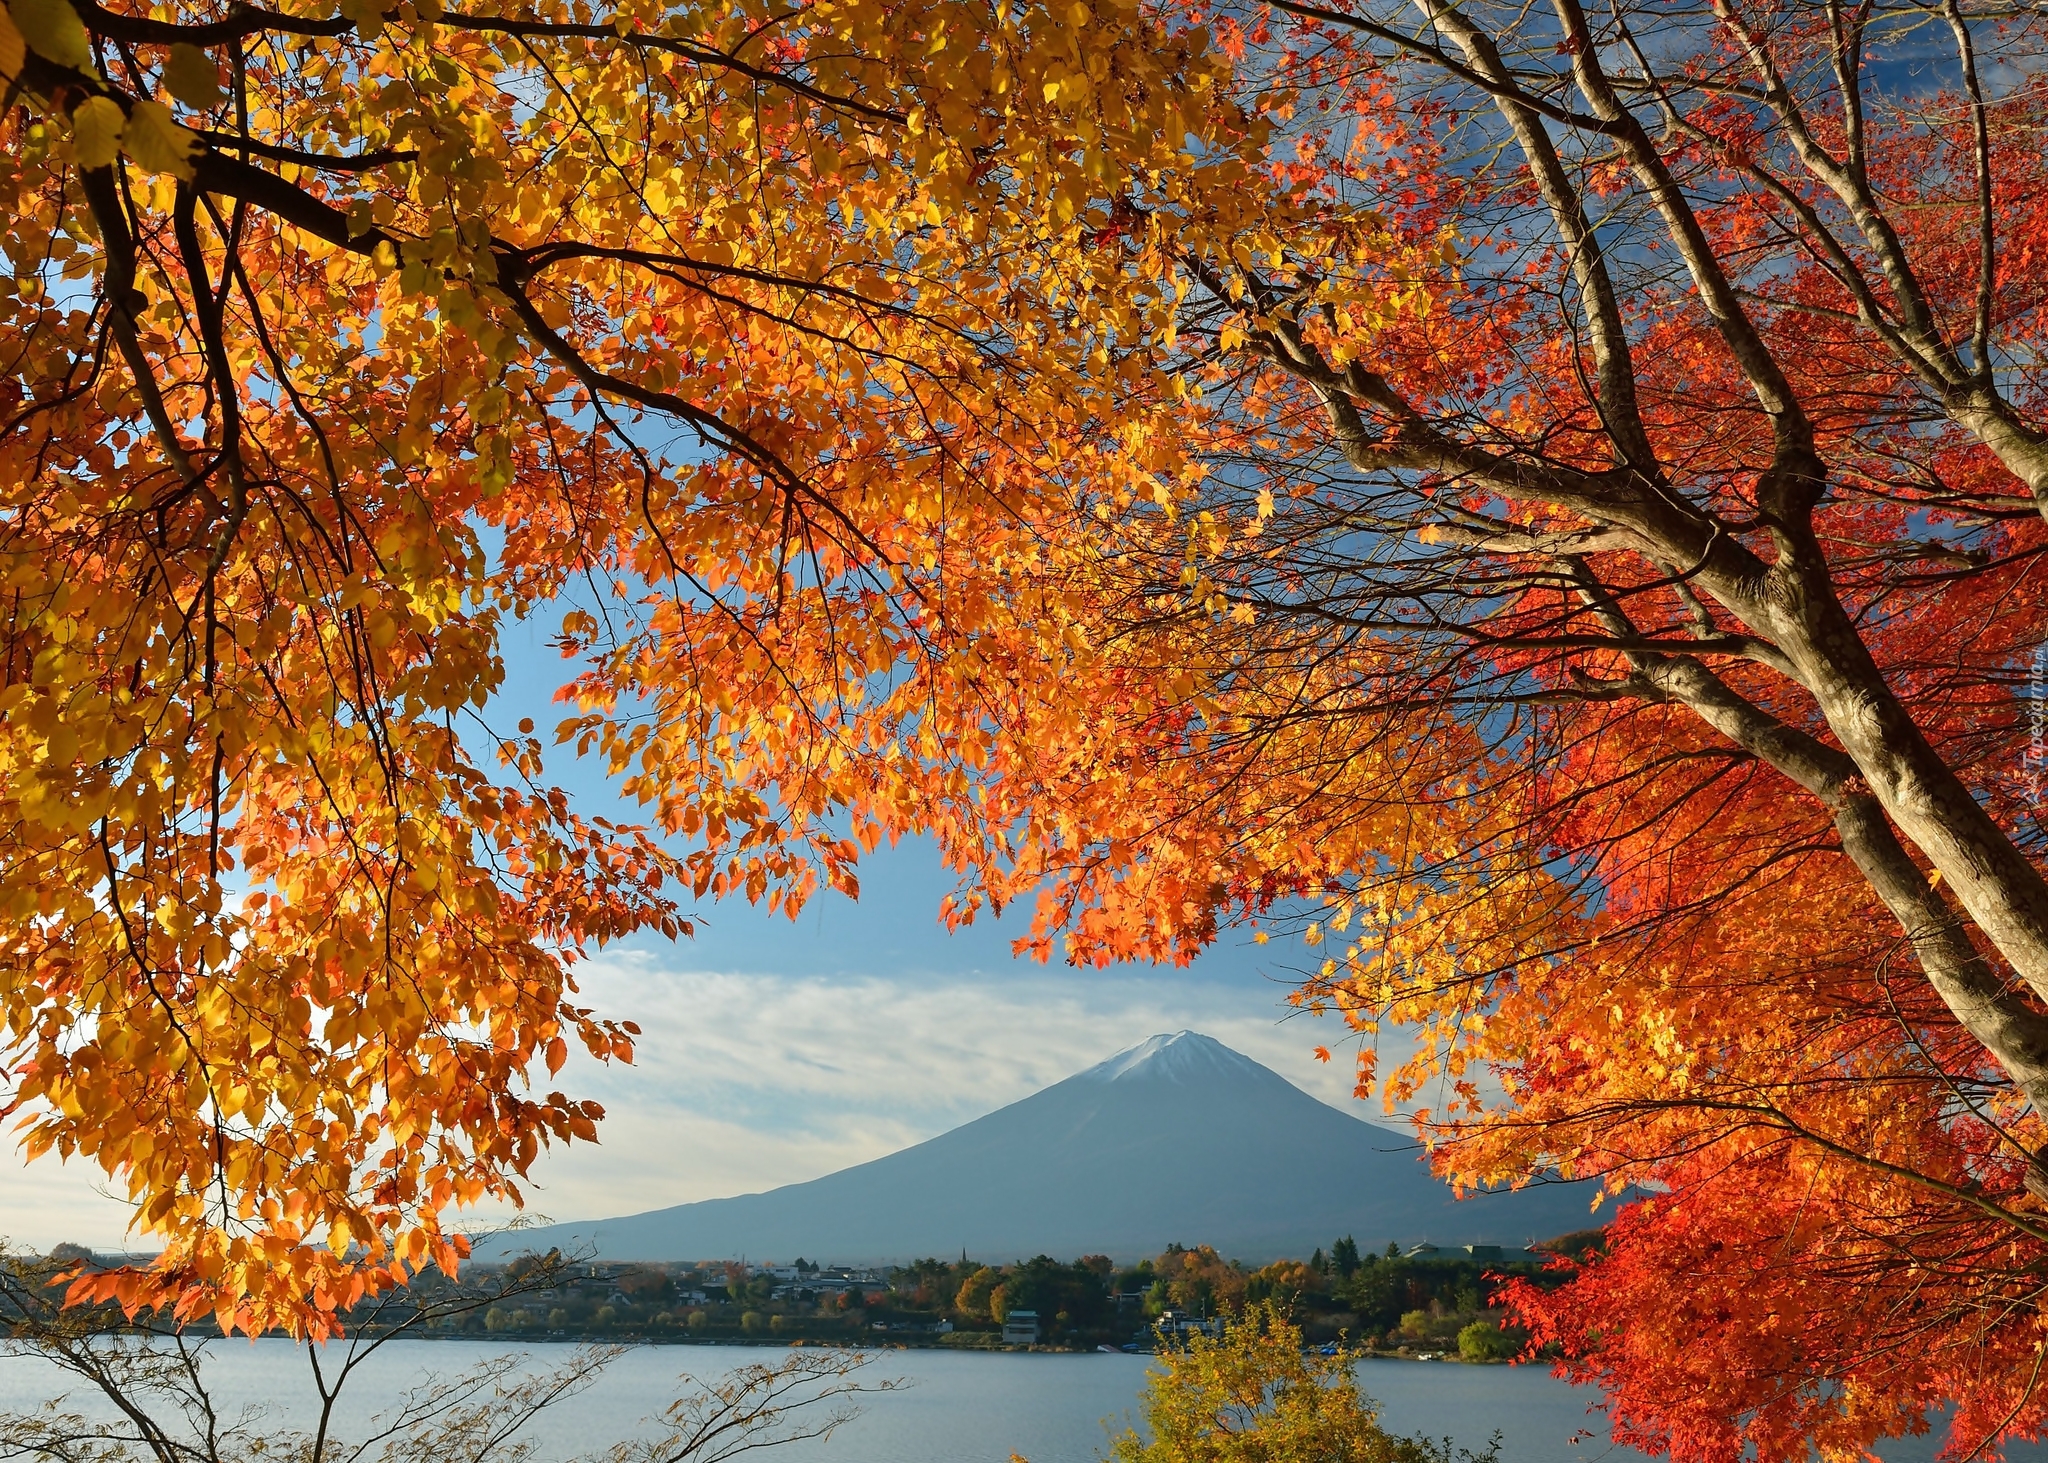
[(1177, 1139)]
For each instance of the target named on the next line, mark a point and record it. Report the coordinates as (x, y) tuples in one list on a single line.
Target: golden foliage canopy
[(762, 344)]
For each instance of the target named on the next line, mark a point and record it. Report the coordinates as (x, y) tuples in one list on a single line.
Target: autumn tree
[(1255, 1394), (1283, 1283), (976, 1292), (721, 337), (1610, 600), (1199, 1279)]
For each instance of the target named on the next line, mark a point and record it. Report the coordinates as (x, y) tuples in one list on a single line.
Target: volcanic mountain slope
[(1177, 1139)]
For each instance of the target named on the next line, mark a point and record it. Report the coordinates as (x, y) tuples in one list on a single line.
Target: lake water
[(957, 1408)]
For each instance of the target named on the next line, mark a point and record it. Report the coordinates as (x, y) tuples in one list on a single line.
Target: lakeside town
[(1423, 1301)]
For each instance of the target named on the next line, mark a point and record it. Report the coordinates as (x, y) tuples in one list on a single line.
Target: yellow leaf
[(192, 78), (96, 132), (158, 143), (367, 16), (53, 31), (13, 49)]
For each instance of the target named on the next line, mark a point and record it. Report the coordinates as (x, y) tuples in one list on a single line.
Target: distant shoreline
[(996, 1349)]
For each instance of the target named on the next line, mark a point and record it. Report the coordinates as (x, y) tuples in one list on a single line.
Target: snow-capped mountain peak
[(1178, 1138), (1181, 1056)]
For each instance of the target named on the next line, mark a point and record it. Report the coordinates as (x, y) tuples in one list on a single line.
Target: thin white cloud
[(747, 1082), (48, 1203)]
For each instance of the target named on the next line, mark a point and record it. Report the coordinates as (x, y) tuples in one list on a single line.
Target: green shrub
[(1486, 1341)]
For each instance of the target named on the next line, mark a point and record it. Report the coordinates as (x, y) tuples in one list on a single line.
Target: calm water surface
[(958, 1408)]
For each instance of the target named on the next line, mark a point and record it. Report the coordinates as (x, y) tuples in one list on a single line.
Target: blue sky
[(775, 1051)]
